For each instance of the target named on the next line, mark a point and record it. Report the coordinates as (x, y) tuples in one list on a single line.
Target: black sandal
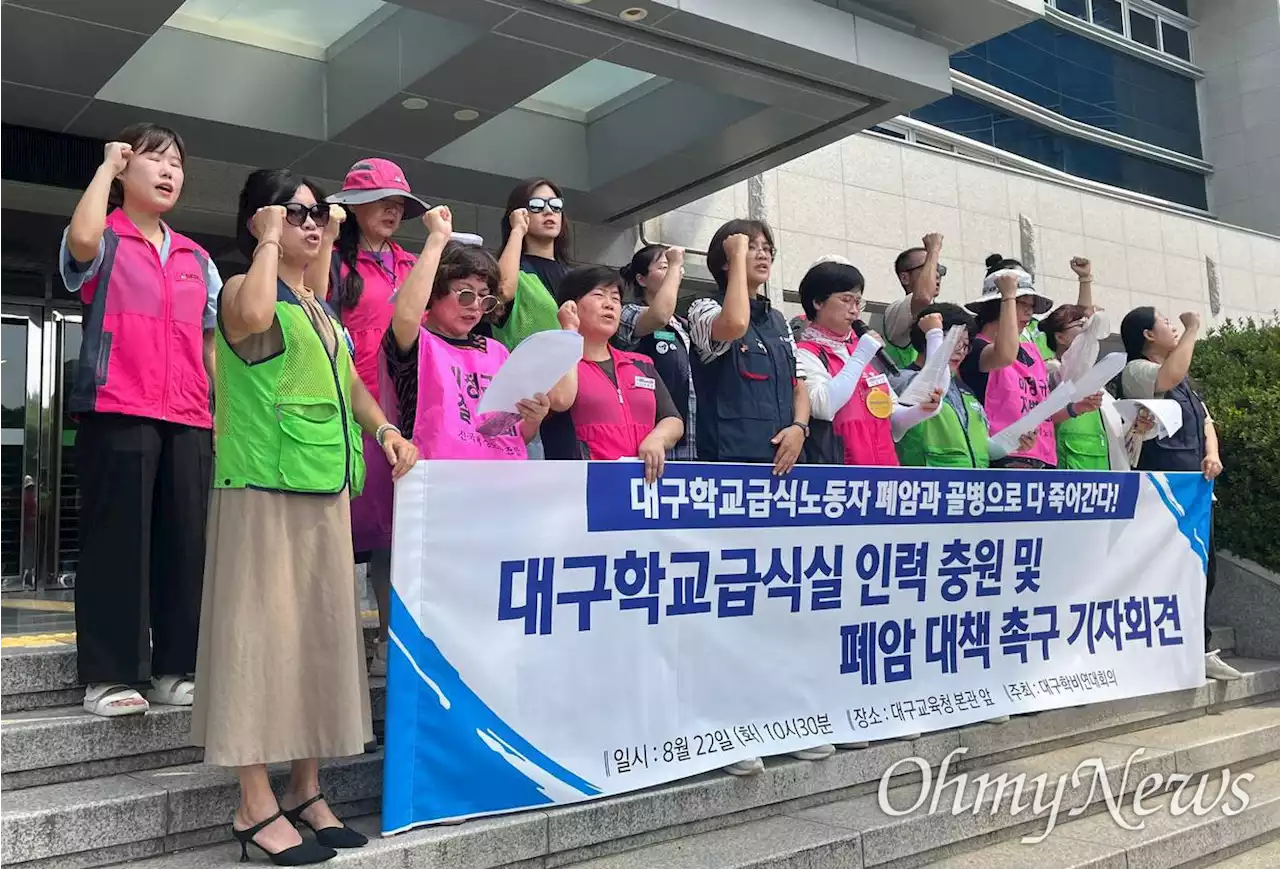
[(340, 836), (304, 854)]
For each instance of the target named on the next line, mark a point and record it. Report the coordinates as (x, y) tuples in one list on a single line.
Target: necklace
[(378, 261)]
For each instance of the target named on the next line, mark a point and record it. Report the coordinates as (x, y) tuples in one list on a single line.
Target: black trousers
[(144, 501)]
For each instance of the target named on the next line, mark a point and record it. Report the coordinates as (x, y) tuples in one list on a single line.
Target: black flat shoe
[(305, 854), (340, 836)]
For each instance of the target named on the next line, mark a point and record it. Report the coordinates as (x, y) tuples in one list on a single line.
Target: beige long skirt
[(280, 670)]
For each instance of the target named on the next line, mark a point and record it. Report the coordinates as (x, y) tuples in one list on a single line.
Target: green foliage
[(1237, 367)]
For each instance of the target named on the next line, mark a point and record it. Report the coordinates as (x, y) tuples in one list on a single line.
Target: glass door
[(61, 516), (21, 345)]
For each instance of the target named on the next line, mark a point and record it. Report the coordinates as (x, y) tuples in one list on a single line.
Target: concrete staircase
[(80, 791)]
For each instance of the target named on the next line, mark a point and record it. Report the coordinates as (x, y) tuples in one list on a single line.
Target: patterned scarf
[(830, 340)]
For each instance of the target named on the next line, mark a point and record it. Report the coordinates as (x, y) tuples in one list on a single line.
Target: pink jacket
[(369, 320), (142, 353)]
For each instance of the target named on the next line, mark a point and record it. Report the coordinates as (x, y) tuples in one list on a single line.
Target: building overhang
[(634, 106)]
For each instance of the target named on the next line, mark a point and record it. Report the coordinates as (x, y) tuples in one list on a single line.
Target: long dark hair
[(639, 267), (519, 198), (266, 187), (1133, 329), (346, 295)]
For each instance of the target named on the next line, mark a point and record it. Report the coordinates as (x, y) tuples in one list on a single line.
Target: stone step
[(791, 835), (173, 808), (1167, 839), (41, 677), (1264, 856), (63, 744)]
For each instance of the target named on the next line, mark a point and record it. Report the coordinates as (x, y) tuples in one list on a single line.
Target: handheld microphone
[(860, 328)]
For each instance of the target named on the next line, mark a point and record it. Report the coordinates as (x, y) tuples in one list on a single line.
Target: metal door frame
[(33, 315), (55, 395)]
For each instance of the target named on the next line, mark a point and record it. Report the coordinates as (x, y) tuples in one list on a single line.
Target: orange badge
[(879, 404)]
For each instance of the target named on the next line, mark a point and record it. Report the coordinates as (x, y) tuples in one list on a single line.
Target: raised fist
[(115, 157), (568, 316), (519, 220), (267, 223)]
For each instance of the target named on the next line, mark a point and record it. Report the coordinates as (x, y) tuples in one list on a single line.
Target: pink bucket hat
[(372, 179)]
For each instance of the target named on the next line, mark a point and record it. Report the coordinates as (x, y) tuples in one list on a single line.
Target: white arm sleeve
[(827, 394)]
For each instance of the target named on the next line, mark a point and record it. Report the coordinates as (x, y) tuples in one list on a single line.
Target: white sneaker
[(851, 746), (1216, 668), (378, 663), (750, 766), (818, 752)]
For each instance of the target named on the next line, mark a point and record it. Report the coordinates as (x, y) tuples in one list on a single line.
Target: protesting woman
[(754, 408), (616, 407), (651, 326), (144, 448), (1159, 366), (855, 412), (439, 369), (359, 275), (1008, 375), (281, 654), (535, 257)]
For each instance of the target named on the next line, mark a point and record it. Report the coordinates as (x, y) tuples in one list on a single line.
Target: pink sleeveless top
[(1012, 391), (451, 380)]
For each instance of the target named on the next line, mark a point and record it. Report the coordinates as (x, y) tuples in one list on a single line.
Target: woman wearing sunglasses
[(439, 367), (144, 449), (359, 282), (281, 652), (535, 247)]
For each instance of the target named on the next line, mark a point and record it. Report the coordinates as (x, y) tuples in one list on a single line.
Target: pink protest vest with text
[(369, 320), (611, 420), (451, 380), (867, 438), (142, 353), (1011, 393)]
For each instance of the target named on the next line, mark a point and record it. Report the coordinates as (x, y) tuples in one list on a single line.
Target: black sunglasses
[(942, 270), (537, 205), (296, 213)]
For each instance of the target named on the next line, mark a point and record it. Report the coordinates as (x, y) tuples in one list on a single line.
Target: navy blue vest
[(670, 357), (745, 394), (1184, 451)]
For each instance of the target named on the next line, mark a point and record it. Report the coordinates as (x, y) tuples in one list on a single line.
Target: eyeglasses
[(767, 249), (467, 298), (942, 270), (537, 205), (296, 214)]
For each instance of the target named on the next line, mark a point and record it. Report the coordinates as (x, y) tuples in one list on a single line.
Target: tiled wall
[(868, 197), (1238, 45)]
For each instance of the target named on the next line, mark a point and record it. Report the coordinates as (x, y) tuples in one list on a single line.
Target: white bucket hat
[(1026, 287)]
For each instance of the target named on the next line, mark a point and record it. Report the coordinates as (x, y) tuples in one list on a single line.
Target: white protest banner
[(561, 631)]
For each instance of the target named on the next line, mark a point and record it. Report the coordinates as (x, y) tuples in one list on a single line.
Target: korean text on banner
[(573, 633)]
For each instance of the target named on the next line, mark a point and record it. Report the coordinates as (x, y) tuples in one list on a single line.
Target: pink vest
[(369, 320), (612, 420), (1011, 393), (142, 353), (867, 438), (451, 380)]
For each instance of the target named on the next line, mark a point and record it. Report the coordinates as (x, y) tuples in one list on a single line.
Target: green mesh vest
[(944, 441), (903, 357), (1082, 444), (533, 309), (285, 424)]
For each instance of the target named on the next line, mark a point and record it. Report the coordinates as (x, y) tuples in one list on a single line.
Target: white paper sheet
[(1006, 440), (934, 371), (1083, 352), (1167, 413), (536, 365)]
